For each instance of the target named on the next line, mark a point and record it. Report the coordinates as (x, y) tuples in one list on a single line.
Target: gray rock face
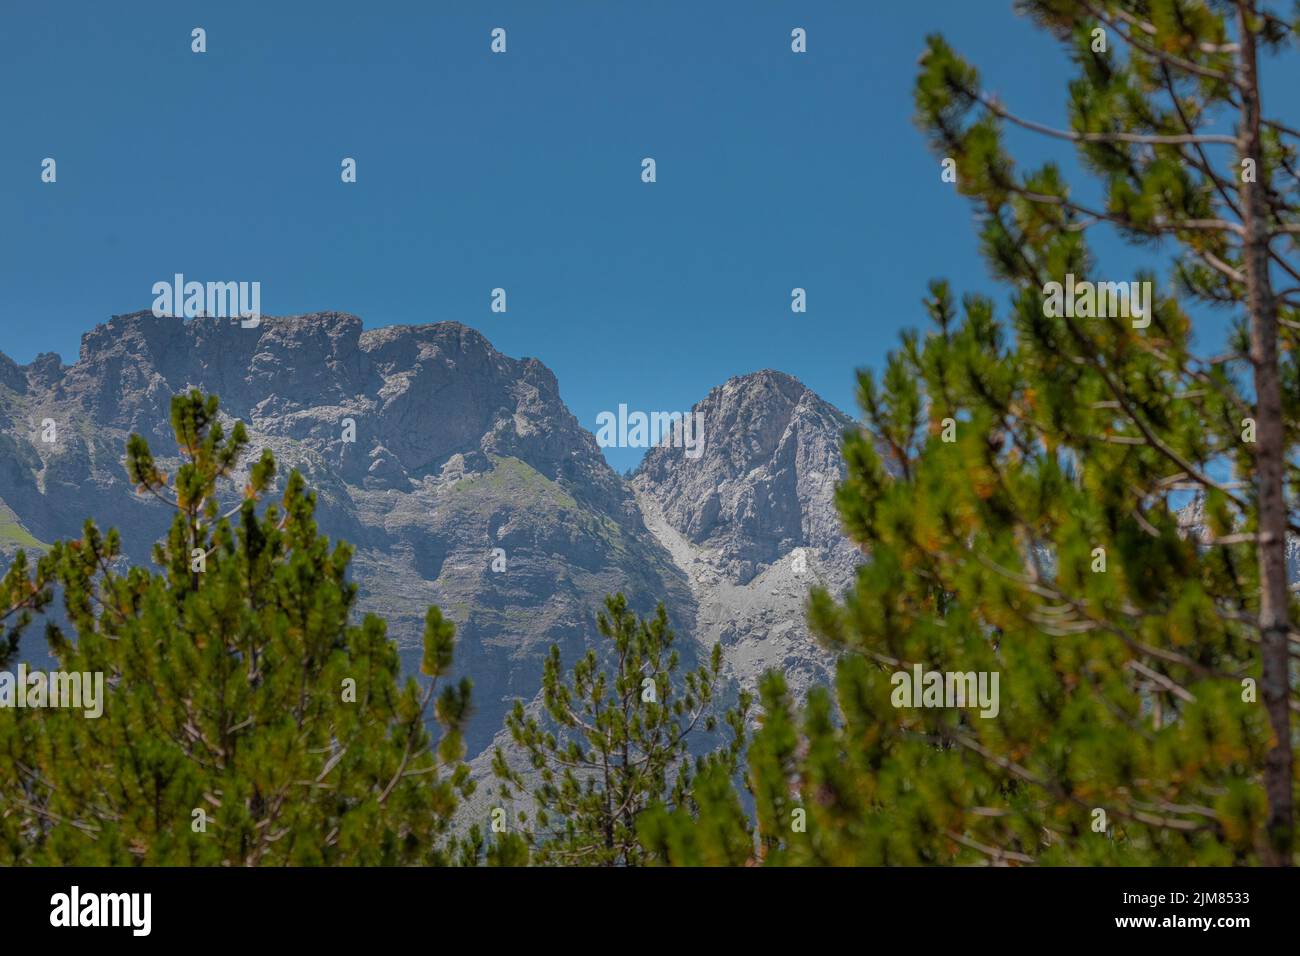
[(462, 480), (765, 482), (752, 522)]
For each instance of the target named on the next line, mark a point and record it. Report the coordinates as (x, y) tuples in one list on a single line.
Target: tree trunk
[(1270, 454)]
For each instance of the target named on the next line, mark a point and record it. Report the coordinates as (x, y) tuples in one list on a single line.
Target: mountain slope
[(458, 451)]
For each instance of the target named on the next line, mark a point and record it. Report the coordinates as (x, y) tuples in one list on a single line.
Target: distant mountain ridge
[(459, 451)]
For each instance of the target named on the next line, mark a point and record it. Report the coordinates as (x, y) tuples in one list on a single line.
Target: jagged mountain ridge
[(458, 450)]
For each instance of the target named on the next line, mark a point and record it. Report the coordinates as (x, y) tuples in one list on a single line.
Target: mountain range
[(462, 480)]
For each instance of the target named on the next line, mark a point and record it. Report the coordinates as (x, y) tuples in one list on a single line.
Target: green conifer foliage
[(249, 718), (21, 595), (613, 747)]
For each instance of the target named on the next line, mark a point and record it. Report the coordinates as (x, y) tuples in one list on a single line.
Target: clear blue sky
[(775, 170)]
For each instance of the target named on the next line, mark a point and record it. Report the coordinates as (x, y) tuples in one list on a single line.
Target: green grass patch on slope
[(14, 536), (514, 479)]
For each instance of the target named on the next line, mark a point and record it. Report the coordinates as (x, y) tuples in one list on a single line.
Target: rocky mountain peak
[(764, 482)]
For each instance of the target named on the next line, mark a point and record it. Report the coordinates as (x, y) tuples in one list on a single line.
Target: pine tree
[(1163, 418), (248, 719), (21, 595), (1078, 503), (614, 744)]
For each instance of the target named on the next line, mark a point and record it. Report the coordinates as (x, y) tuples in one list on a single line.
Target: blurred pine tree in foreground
[(1018, 484)]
